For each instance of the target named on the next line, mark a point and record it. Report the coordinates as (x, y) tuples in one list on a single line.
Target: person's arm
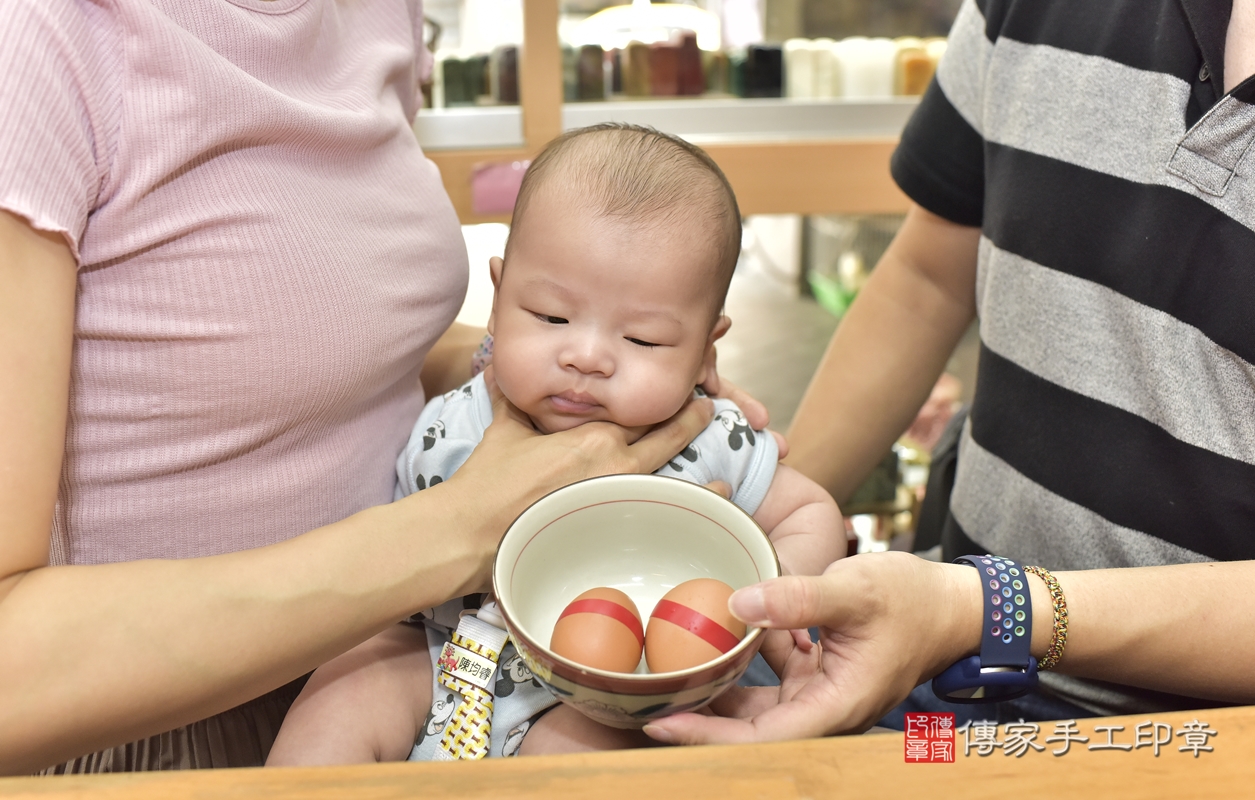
[(890, 621), (887, 353), (37, 287), (803, 522), (95, 656), (448, 363)]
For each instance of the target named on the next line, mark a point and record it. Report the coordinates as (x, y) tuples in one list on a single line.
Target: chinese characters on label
[(462, 663), (933, 738), (470, 668)]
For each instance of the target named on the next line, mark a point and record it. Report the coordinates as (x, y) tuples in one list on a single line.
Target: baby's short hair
[(639, 173)]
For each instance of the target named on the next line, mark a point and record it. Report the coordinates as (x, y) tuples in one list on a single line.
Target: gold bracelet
[(1054, 651)]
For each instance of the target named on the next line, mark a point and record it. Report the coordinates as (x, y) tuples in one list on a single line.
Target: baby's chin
[(556, 423)]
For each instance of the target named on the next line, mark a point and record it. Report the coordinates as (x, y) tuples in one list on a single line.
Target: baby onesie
[(446, 432)]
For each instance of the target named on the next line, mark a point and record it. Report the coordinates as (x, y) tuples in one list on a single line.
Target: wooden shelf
[(493, 127), (707, 121), (700, 120), (781, 156)]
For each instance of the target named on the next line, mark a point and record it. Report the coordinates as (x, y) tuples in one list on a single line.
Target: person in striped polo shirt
[(1083, 184)]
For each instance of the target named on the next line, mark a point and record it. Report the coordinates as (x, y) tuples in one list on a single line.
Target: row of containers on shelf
[(857, 67)]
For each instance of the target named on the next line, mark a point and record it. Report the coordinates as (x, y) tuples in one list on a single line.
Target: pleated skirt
[(240, 737)]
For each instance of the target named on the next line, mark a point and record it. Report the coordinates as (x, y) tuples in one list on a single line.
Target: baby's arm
[(803, 522), (362, 706)]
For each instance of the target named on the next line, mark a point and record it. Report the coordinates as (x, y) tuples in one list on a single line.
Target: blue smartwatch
[(1004, 669)]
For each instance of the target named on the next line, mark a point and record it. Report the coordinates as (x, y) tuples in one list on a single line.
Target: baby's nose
[(588, 355)]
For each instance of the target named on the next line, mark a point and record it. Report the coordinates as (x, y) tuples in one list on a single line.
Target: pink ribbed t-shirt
[(265, 258)]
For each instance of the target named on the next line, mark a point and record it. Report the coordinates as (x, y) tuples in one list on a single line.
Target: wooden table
[(845, 767)]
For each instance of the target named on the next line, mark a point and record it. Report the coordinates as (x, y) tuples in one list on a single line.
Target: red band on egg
[(697, 624), (611, 609)]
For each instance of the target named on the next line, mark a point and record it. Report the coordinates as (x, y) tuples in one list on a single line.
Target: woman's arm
[(886, 355), (889, 621), (93, 656), (37, 286)]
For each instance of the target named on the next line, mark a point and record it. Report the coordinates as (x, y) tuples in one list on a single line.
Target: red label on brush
[(608, 608), (697, 624)]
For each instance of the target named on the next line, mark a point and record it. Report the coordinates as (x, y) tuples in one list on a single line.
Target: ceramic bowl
[(643, 535)]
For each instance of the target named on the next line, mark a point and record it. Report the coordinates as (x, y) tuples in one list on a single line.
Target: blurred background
[(800, 101)]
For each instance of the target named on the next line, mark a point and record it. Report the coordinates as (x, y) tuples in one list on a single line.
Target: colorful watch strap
[(1007, 632)]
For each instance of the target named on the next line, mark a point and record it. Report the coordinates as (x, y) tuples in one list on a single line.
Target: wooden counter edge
[(853, 766)]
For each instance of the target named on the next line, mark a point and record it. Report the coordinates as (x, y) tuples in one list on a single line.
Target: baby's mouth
[(573, 402)]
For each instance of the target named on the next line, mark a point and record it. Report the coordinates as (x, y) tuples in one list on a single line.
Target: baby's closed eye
[(552, 320)]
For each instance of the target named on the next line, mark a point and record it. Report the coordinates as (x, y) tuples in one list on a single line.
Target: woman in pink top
[(225, 265)]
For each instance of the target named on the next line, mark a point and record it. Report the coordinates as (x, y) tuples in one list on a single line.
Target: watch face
[(972, 694), (966, 682)]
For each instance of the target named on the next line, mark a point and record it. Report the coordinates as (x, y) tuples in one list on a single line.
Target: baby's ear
[(722, 324), (495, 268), (496, 265)]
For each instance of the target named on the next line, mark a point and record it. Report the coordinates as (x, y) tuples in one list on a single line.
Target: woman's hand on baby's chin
[(514, 465)]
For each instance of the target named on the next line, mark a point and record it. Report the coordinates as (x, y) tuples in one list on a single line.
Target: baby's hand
[(721, 488), (802, 638)]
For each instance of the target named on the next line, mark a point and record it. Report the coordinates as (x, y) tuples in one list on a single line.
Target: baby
[(607, 306)]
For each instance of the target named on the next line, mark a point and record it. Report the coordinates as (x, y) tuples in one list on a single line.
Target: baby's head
[(608, 302)]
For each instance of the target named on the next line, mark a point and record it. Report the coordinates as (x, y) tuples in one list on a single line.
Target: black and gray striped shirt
[(1114, 182)]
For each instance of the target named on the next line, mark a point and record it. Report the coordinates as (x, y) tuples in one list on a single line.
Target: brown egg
[(691, 625), (600, 629)]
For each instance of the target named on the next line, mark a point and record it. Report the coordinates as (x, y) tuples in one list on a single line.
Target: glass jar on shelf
[(477, 52)]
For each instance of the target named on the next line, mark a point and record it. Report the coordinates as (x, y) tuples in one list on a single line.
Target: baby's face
[(599, 318)]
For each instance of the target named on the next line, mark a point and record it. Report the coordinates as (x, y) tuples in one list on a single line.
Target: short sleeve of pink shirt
[(265, 258), (58, 102)]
